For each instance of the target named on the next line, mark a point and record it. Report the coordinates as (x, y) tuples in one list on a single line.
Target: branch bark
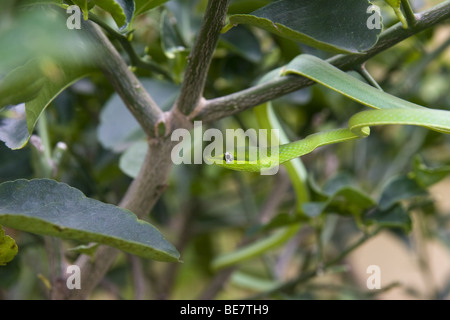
[(201, 56), (140, 198), (215, 109), (126, 84)]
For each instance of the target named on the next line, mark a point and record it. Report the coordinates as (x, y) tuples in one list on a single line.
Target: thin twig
[(409, 13), (368, 77), (201, 56), (135, 60), (139, 280), (305, 277), (141, 196), (126, 84)]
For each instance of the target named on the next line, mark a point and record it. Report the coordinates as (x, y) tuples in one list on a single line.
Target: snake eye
[(228, 157)]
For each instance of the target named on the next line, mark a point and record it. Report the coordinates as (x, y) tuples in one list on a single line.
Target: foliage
[(79, 124)]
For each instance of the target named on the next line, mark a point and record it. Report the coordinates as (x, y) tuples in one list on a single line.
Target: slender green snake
[(389, 110)]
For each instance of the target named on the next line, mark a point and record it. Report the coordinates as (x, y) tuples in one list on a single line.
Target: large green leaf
[(29, 78), (48, 207), (337, 26), (38, 67), (246, 6), (39, 31), (146, 5)]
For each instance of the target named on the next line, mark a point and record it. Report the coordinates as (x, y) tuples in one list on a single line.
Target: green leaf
[(132, 159), (25, 36), (59, 76), (246, 6), (146, 5), (331, 77), (13, 126), (425, 176), (118, 128), (343, 198), (251, 282), (395, 4), (345, 201), (398, 189), (122, 11), (8, 248), (21, 84), (48, 207), (336, 26), (243, 42), (89, 249), (394, 217), (25, 3), (83, 4), (336, 183)]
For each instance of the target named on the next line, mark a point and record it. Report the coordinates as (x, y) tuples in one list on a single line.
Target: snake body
[(389, 110)]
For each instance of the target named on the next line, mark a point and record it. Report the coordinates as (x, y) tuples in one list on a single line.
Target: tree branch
[(135, 60), (201, 56), (409, 13), (215, 109), (126, 84), (140, 198)]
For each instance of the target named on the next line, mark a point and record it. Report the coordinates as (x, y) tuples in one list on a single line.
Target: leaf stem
[(409, 13), (368, 77)]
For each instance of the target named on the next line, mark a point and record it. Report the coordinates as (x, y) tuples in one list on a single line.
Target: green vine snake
[(389, 110)]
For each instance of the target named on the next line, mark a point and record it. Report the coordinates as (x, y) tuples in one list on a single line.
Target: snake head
[(242, 159)]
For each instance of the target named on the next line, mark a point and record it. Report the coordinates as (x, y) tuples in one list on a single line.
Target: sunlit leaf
[(8, 248)]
